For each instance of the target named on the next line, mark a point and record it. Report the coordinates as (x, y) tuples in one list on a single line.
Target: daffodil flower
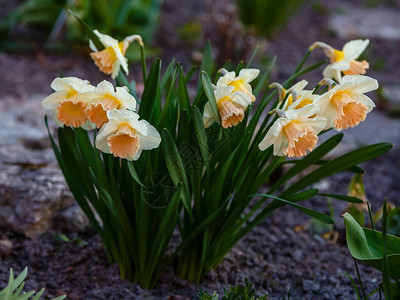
[(67, 106), (306, 97), (112, 58), (231, 107), (293, 93), (241, 83), (345, 105), (125, 136), (344, 60), (294, 132), (103, 98)]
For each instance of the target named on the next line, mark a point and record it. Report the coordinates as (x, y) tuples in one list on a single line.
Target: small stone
[(5, 247)]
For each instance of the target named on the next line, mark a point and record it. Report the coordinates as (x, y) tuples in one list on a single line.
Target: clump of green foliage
[(246, 292), (266, 15), (13, 290)]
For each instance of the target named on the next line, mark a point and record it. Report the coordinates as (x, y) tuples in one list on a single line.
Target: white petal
[(330, 72), (151, 140), (122, 115), (106, 130), (141, 126), (92, 46), (248, 74), (226, 79), (68, 83), (241, 99), (361, 83), (51, 102), (353, 49), (268, 140), (105, 87), (208, 116), (298, 87), (317, 124), (126, 99), (223, 91), (106, 40), (363, 99)]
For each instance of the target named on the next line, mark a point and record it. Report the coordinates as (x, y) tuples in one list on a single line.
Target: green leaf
[(366, 245), (175, 167), (343, 198), (184, 101), (309, 160), (339, 164), (95, 39), (150, 106), (208, 89), (133, 173), (200, 133), (312, 213)]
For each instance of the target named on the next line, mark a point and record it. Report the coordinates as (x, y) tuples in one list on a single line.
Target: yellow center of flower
[(71, 113), (339, 55), (124, 143), (97, 113), (231, 115), (349, 113), (105, 59), (300, 138), (240, 87), (303, 103)]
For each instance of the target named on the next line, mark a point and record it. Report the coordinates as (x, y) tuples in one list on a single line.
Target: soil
[(284, 253)]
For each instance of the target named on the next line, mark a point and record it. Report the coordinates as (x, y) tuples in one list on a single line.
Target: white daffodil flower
[(103, 98), (231, 107), (294, 92), (241, 83), (344, 61), (295, 132), (65, 103), (112, 58), (345, 105), (305, 97), (125, 136)]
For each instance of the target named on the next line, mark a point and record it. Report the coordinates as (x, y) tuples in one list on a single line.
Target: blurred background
[(39, 38)]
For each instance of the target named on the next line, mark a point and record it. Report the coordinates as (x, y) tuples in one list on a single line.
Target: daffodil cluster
[(208, 169), (76, 103)]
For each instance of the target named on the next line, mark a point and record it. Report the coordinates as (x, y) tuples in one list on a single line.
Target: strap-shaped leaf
[(133, 173), (208, 89), (312, 213), (95, 39), (150, 106), (201, 134), (184, 101), (175, 167), (343, 198), (309, 160), (366, 245), (339, 164)]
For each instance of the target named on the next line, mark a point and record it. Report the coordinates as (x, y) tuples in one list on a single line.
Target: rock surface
[(32, 188), (351, 22)]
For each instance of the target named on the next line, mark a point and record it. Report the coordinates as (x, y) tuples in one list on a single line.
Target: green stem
[(359, 280), (143, 57)]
